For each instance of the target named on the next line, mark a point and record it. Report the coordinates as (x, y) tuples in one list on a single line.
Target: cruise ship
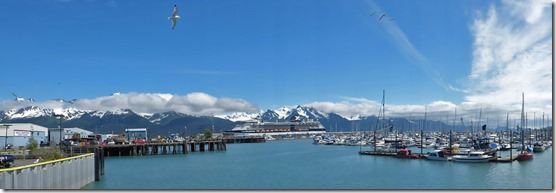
[(264, 129)]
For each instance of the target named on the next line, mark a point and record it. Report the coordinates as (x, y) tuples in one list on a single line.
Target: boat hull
[(525, 156), (474, 160), (436, 158)]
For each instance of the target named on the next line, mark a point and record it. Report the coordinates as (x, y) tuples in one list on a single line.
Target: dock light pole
[(60, 117), (6, 139)]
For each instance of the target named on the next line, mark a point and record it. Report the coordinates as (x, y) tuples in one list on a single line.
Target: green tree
[(208, 134), (32, 144)]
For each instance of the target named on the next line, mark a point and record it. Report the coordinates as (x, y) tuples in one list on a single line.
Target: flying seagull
[(382, 16), (373, 13), (174, 16)]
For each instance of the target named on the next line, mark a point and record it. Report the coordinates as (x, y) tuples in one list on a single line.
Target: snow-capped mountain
[(116, 121), (239, 116), (159, 118), (34, 111), (68, 113), (27, 112), (282, 114)]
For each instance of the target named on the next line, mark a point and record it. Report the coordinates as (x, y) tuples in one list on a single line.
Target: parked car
[(6, 160)]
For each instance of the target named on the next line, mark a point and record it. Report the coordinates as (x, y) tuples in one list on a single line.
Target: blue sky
[(248, 55)]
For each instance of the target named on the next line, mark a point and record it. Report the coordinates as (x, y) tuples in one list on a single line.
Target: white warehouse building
[(18, 134)]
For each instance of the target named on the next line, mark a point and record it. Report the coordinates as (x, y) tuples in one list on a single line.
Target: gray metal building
[(18, 134)]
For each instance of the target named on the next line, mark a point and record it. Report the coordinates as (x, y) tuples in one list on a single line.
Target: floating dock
[(390, 153), (504, 159), (379, 153)]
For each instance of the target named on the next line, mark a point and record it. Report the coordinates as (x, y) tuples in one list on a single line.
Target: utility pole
[(60, 117), (6, 140)]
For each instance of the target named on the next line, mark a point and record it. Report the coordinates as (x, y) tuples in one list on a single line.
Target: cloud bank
[(197, 103)]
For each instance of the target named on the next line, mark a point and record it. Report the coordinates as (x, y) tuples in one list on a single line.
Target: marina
[(309, 166)]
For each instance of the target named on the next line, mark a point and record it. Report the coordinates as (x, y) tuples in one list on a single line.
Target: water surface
[(298, 164)]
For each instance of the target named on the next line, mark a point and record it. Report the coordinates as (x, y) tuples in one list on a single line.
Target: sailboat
[(526, 153)]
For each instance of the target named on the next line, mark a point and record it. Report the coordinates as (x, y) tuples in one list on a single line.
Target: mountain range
[(174, 122)]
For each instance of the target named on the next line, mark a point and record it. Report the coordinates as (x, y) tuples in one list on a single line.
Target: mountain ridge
[(165, 123)]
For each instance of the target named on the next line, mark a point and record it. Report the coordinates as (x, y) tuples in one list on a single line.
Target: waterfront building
[(67, 133), (18, 134)]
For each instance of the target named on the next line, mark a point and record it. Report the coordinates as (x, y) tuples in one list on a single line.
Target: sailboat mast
[(383, 115), (509, 133), (522, 120)]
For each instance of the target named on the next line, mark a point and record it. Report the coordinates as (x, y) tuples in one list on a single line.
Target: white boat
[(437, 155), (538, 147), (269, 137), (472, 156)]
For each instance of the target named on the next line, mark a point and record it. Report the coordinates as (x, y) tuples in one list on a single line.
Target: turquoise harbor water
[(298, 164)]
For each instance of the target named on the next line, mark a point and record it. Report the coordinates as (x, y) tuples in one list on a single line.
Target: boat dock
[(379, 153), (504, 159), (390, 153)]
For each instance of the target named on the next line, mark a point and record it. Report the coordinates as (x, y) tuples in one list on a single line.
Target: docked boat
[(260, 128), (525, 156), (505, 147), (538, 147), (406, 154), (473, 157), (526, 152), (437, 155)]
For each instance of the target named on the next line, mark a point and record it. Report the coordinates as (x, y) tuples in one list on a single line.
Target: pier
[(244, 140), (147, 149)]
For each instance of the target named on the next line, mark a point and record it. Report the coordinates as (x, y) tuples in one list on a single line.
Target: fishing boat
[(406, 154), (472, 157), (437, 155)]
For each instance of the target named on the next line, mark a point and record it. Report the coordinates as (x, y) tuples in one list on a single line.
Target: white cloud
[(408, 49), (147, 103), (512, 54), (350, 107)]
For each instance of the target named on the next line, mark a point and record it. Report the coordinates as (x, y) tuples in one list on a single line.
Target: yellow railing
[(44, 163)]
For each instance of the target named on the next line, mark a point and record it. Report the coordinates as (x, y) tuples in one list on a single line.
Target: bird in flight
[(373, 13), (174, 16), (382, 16)]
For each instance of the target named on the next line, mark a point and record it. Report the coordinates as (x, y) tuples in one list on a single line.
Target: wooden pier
[(244, 140), (152, 148)]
